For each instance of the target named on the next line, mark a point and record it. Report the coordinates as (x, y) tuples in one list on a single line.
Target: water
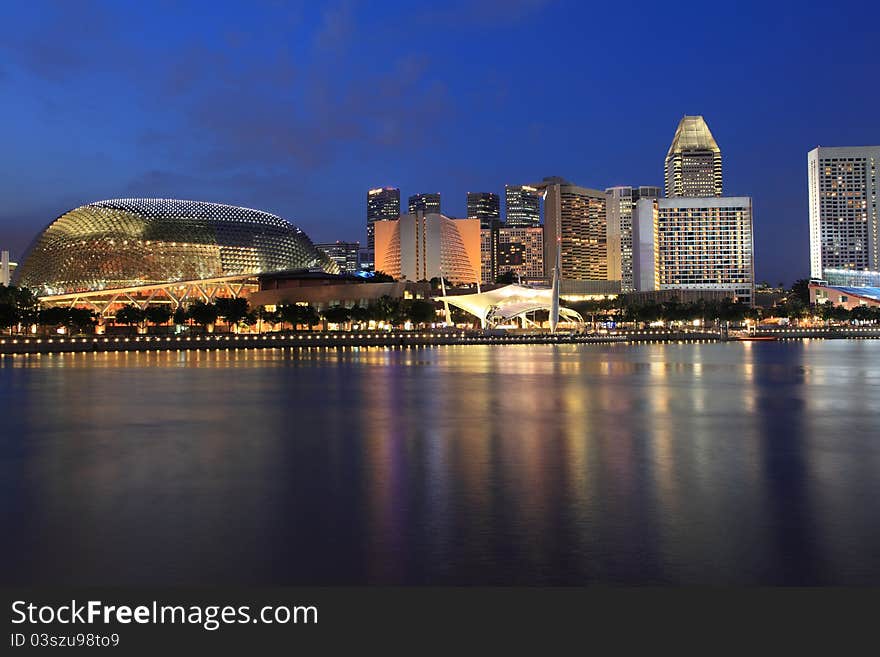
[(750, 463)]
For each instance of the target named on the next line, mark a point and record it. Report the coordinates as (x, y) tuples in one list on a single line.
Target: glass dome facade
[(124, 243)]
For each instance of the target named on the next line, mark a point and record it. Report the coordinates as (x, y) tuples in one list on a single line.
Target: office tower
[(382, 203), (366, 259), (622, 201), (419, 247), (427, 203), (4, 268), (843, 188), (522, 206), (484, 206), (693, 163), (575, 221), (695, 244), (516, 250), (344, 254)]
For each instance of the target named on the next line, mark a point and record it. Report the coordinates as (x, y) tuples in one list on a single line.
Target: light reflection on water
[(533, 464)]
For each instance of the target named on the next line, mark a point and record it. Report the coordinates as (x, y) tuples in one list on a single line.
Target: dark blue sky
[(299, 108)]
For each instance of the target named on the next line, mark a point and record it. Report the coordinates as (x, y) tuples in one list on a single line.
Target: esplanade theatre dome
[(124, 243)]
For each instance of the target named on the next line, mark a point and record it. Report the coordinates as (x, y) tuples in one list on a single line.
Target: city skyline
[(320, 116)]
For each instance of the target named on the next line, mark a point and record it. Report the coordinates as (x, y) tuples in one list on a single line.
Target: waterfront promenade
[(64, 344)]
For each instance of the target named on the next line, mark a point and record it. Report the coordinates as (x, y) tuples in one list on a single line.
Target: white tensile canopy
[(509, 303)]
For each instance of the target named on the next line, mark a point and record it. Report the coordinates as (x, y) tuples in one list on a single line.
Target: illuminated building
[(522, 207), (346, 255), (845, 296), (419, 247), (7, 268), (383, 203), (427, 203), (518, 250), (695, 244), (161, 251), (366, 259), (575, 221), (693, 163), (843, 188), (484, 206), (622, 201)]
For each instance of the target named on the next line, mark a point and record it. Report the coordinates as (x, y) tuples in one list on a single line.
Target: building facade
[(6, 268), (695, 244), (516, 250), (522, 206), (427, 203), (843, 188), (383, 203), (346, 255), (419, 247), (485, 206), (621, 203), (693, 162), (575, 222)]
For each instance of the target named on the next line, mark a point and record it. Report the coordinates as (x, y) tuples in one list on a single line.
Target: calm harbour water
[(749, 463)]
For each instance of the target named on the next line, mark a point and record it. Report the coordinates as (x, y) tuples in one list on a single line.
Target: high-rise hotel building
[(843, 188), (695, 244), (575, 224), (522, 206), (485, 206), (427, 203), (621, 202), (383, 203), (516, 250), (693, 162)]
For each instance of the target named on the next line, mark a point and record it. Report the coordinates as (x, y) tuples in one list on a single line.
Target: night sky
[(299, 108)]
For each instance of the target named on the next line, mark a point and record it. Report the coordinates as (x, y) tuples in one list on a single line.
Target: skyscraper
[(695, 244), (382, 203), (622, 201), (575, 222), (427, 203), (522, 206), (344, 254), (484, 206), (693, 163), (843, 188), (516, 250)]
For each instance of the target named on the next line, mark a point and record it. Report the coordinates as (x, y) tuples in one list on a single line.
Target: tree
[(129, 315), (18, 305), (382, 277), (180, 316), (801, 290), (82, 319), (420, 311), (288, 313), (507, 278), (233, 311), (360, 314), (157, 315), (203, 314), (337, 315)]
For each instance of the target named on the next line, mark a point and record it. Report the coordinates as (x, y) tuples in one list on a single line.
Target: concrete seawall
[(60, 344), (18, 345)]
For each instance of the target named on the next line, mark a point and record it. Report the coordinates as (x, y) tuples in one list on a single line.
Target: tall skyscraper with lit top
[(522, 206), (843, 188), (383, 204), (693, 162)]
